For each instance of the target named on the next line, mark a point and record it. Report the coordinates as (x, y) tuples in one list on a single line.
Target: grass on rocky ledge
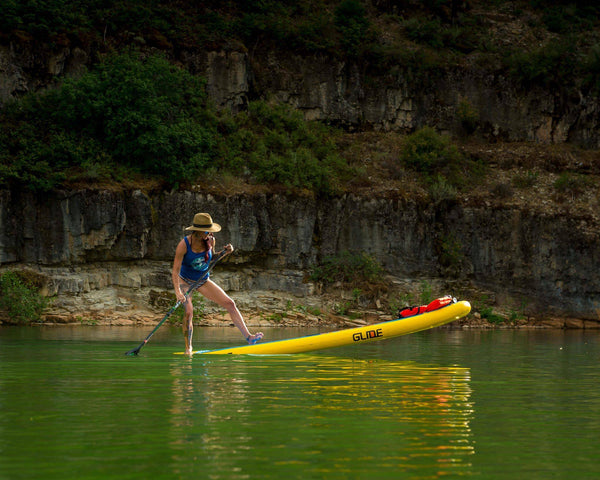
[(20, 299)]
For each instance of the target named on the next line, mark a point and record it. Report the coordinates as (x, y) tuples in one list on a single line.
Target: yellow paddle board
[(350, 336)]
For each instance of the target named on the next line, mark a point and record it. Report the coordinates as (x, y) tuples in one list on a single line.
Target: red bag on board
[(437, 303)]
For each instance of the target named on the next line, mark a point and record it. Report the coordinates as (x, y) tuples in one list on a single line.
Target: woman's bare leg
[(215, 293), (187, 323)]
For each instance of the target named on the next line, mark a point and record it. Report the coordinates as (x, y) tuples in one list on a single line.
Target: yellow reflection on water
[(326, 414)]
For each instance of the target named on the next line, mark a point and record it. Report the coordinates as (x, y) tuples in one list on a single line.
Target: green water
[(439, 404)]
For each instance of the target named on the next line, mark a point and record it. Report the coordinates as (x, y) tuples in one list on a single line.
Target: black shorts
[(191, 282)]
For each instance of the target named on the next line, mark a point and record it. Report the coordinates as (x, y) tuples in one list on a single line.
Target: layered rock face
[(397, 99), (87, 241)]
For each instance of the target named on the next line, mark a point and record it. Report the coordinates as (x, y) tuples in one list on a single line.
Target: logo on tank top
[(199, 264)]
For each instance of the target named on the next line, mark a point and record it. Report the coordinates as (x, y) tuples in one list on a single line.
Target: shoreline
[(277, 320)]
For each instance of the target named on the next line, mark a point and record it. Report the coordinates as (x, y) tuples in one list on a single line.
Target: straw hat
[(203, 223)]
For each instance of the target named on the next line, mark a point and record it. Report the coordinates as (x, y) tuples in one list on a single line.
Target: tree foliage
[(144, 115)]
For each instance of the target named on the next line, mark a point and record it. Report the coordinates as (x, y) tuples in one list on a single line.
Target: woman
[(192, 261)]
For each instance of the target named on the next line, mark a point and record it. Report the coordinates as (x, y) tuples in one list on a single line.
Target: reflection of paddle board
[(369, 333)]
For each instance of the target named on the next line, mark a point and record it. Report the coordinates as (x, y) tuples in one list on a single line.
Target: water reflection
[(493, 404), (353, 413)]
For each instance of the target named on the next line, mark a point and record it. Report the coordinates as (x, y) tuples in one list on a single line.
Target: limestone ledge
[(140, 293)]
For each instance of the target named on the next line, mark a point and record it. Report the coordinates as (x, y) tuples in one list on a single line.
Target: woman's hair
[(207, 246)]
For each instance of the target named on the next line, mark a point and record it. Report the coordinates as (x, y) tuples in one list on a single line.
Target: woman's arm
[(179, 253)]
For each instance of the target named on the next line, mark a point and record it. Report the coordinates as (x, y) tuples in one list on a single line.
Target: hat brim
[(215, 227)]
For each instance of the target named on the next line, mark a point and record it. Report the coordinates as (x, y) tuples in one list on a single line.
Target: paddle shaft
[(193, 286)]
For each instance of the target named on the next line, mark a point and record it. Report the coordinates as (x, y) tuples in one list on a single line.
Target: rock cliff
[(112, 249), (397, 99), (108, 249)]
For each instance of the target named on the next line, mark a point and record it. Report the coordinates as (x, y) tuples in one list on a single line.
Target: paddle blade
[(135, 351)]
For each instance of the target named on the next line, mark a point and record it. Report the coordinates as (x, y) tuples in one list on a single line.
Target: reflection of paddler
[(193, 257)]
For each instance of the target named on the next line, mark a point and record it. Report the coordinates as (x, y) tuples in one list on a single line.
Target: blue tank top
[(195, 265)]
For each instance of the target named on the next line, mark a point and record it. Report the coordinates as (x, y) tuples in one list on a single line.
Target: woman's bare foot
[(255, 338)]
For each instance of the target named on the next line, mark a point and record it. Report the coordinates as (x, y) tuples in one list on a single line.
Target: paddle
[(194, 285)]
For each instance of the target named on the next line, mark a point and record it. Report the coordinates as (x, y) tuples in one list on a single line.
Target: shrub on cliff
[(434, 156), (20, 299), (552, 65), (274, 144), (572, 185)]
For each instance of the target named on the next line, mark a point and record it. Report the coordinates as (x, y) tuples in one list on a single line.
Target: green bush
[(147, 113), (485, 309), (426, 32), (351, 21), (434, 156), (426, 151), (274, 144), (572, 184), (440, 190), (552, 65), (489, 314), (348, 268), (20, 299)]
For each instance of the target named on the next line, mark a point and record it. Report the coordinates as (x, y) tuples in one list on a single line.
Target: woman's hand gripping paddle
[(193, 286)]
